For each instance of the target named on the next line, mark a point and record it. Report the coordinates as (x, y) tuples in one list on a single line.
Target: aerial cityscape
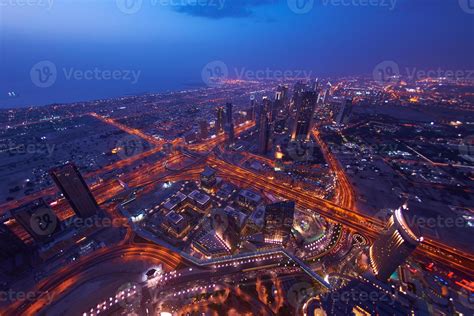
[(246, 188)]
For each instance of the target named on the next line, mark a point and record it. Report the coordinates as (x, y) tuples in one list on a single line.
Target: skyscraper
[(394, 245), (37, 219), (297, 93), (345, 112), (220, 120), (323, 98), (226, 228), (267, 108), (231, 134), (204, 133), (230, 124), (278, 104), (264, 133), (315, 85), (228, 113), (75, 190), (304, 116), (278, 222), (253, 107), (10, 244)]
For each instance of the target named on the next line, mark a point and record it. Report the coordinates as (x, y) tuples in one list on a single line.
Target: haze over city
[(169, 42), (252, 157)]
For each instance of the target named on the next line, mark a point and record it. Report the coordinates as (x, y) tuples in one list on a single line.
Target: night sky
[(170, 41)]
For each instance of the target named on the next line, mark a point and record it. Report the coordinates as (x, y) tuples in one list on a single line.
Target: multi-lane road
[(341, 211)]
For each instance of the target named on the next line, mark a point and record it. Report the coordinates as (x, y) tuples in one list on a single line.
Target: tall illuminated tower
[(264, 133), (394, 245), (75, 190), (220, 120), (253, 107), (304, 116), (204, 133), (230, 123), (228, 113)]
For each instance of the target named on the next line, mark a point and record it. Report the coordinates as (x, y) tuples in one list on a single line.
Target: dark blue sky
[(168, 42)]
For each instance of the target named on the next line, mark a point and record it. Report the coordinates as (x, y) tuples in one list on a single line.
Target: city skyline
[(252, 157), (158, 46)]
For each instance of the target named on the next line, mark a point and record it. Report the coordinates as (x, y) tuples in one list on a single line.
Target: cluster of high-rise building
[(284, 114), (394, 245), (39, 221)]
